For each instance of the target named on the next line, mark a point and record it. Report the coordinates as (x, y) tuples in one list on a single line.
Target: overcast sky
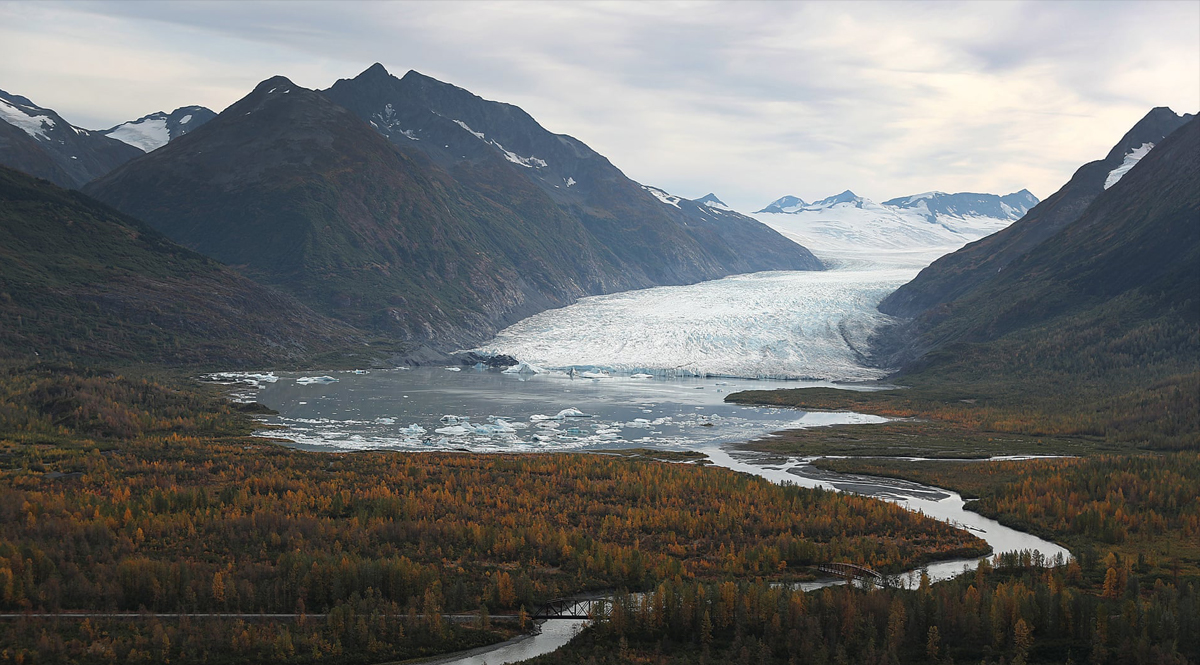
[(751, 101)]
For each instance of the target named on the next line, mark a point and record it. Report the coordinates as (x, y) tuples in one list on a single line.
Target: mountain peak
[(711, 200), (275, 84), (845, 197), (1151, 129), (374, 71), (785, 204)]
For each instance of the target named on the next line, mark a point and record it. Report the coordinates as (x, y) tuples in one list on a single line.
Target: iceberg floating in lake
[(308, 380), (571, 413), (524, 368), (641, 376), (255, 380), (453, 369), (413, 430), (453, 430)]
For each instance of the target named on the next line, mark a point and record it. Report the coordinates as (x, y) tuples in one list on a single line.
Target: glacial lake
[(485, 410)]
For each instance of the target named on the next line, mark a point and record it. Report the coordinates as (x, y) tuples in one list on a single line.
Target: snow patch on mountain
[(460, 123), (390, 123), (663, 196), (148, 133), (27, 119), (527, 162), (1131, 159)]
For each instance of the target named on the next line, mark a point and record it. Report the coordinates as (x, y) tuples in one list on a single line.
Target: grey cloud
[(751, 100)]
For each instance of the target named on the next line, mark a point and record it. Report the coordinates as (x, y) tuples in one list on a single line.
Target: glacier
[(795, 325), (769, 325)]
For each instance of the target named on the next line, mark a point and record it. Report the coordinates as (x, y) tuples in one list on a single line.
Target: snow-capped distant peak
[(153, 131), (1131, 158), (927, 195), (147, 133), (712, 201), (663, 196), (785, 204), (845, 197)]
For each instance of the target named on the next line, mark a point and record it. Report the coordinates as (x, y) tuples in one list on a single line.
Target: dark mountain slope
[(77, 155), (954, 275), (80, 281), (1097, 328), (297, 192), (668, 242)]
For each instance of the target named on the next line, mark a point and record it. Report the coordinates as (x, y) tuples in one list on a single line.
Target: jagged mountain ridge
[(297, 192), (956, 274), (157, 129), (39, 142), (80, 281), (934, 222), (967, 204), (482, 140)]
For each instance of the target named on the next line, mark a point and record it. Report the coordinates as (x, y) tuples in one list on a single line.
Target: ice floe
[(309, 380)]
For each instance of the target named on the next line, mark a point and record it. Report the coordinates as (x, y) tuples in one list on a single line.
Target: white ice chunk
[(524, 368), (453, 369), (571, 413), (663, 196), (308, 380)]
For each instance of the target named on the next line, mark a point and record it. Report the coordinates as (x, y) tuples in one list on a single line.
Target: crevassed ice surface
[(798, 325)]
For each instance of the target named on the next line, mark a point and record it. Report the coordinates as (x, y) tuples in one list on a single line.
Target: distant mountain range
[(933, 221), (38, 141), (413, 208)]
